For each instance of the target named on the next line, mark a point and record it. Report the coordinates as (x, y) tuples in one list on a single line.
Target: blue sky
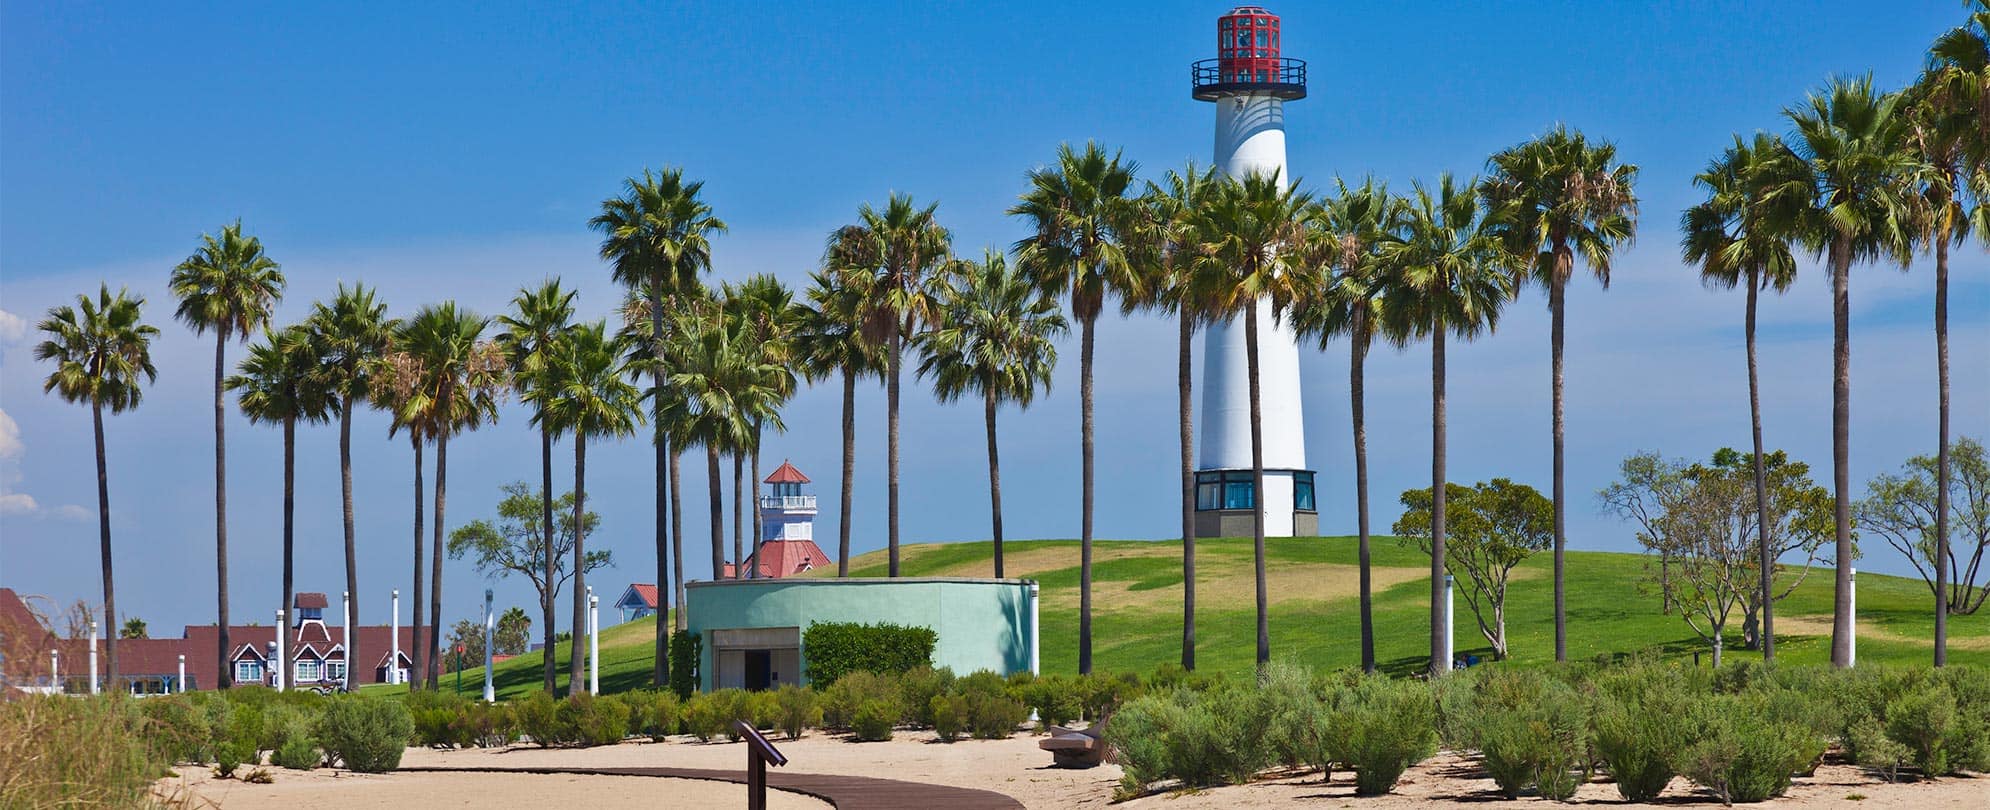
[(457, 151)]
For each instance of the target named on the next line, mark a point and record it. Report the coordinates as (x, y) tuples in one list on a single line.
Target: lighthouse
[(1250, 82)]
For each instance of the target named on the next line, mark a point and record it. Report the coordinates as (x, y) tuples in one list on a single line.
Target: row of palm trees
[(1865, 176)]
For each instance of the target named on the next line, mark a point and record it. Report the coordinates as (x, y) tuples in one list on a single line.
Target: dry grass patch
[(1820, 625)]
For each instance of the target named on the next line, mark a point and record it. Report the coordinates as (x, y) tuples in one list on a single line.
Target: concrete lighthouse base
[(1283, 516)]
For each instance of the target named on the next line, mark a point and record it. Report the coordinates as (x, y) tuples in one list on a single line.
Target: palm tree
[(397, 388), (1166, 249), (1251, 231), (1349, 232), (283, 381), (228, 285), (829, 340), (1852, 139), (100, 349), (1951, 113), (1740, 236), (996, 336), (723, 387), (541, 317), (1554, 197), (587, 394), (767, 308), (636, 327), (1445, 273), (1080, 215), (658, 237), (350, 335), (461, 377), (891, 254)]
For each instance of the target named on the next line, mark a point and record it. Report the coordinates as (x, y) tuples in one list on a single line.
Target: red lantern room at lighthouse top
[(1248, 60)]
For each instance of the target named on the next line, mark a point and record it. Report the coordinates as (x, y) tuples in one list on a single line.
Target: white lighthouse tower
[(1250, 82)]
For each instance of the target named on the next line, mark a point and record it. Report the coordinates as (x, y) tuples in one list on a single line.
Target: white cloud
[(10, 436), (12, 328), (17, 503), (70, 511)]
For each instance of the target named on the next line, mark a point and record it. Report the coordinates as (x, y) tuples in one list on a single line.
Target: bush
[(684, 651), (435, 714), (1138, 737), (367, 734), (1871, 749), (1290, 716), (1739, 753), (1102, 694), (707, 715), (176, 729), (538, 717), (948, 715), (842, 699), (1535, 744), (1381, 728), (799, 709), (986, 706), (588, 720), (1054, 698), (873, 720), (917, 687), (1637, 737), (297, 754), (230, 755), (838, 648), (665, 712)]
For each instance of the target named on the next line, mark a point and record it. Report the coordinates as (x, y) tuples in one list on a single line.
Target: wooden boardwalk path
[(844, 792)]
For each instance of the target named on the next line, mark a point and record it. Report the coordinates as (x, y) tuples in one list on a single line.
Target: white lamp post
[(1036, 618), (282, 660), (490, 633), (593, 642), (1450, 626), (182, 682), (93, 656), (1852, 629), (55, 671), (345, 637), (394, 631)]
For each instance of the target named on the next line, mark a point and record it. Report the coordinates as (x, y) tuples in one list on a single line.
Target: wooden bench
[(1076, 748)]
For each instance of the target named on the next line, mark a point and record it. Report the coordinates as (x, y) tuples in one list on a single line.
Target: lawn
[(1314, 610)]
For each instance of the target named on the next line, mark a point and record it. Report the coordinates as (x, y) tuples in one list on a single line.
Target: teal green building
[(752, 628)]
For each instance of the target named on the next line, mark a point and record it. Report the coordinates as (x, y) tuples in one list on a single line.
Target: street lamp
[(593, 642), (490, 635)]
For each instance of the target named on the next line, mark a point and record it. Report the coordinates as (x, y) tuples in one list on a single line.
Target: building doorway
[(757, 659)]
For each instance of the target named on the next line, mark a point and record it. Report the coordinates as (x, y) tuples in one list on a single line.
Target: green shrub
[(367, 734), (1382, 727), (706, 716), (1290, 715), (1102, 693), (665, 713), (763, 710), (591, 720), (176, 729), (948, 715), (230, 755), (1871, 749), (1535, 744), (917, 687), (538, 717), (1739, 753), (838, 648), (1054, 698), (799, 710), (486, 725), (297, 754), (684, 650), (1138, 739), (873, 720), (1637, 737), (843, 697), (1924, 721), (984, 704), (1214, 741)]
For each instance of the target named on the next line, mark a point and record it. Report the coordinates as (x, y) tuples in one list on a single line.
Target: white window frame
[(317, 667), (335, 670), (248, 670)]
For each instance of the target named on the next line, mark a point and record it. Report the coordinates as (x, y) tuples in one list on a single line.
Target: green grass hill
[(1315, 620)]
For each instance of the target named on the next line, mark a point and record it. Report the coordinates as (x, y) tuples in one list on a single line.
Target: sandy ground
[(432, 791), (1014, 767)]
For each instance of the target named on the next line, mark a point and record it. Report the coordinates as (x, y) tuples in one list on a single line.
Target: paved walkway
[(845, 792)]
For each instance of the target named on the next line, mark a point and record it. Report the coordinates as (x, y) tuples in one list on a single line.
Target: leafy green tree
[(228, 286), (658, 234), (1252, 231), (514, 631), (766, 306), (829, 341), (1698, 523), (1447, 274), (456, 376), (350, 335), (724, 386), (1164, 249), (101, 348), (515, 543), (1494, 526), (995, 336), (134, 627), (1080, 213), (1905, 507), (1740, 235), (540, 317), (588, 396), (1550, 199), (891, 255), (282, 382), (1852, 139), (1346, 243)]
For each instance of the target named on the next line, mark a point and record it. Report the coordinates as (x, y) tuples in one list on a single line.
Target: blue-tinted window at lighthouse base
[(1302, 491), (1223, 490)]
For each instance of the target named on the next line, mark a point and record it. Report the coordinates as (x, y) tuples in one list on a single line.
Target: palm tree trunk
[(1085, 342), (716, 493), (891, 457), (1357, 406), (1184, 388), (577, 647), (1250, 316), (414, 625), (677, 534), (220, 512), (351, 618), (289, 516), (435, 561), (1438, 665), (1841, 451), (660, 673), (738, 492), (549, 668), (1557, 298), (753, 501), (849, 471), (994, 477), (1841, 406), (1942, 453), (1768, 556), (104, 547)]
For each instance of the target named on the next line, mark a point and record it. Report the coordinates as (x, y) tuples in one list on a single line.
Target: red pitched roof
[(783, 558), (646, 592), (310, 600), (787, 474)]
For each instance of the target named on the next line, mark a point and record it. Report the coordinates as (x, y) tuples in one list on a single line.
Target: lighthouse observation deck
[(1284, 78)]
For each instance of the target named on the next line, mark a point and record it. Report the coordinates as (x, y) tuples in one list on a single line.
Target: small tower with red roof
[(787, 528)]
